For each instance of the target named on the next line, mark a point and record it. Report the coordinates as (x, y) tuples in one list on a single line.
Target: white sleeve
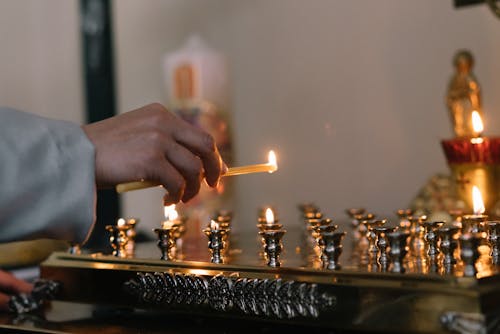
[(47, 181)]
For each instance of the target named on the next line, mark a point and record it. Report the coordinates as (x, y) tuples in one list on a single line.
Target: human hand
[(11, 285), (153, 144)]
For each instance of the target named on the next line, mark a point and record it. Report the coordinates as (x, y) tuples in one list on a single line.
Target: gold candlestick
[(270, 167)]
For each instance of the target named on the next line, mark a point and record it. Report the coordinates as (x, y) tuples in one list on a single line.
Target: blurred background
[(349, 94)]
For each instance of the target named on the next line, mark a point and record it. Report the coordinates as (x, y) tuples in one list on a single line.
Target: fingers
[(203, 145), (11, 284), (172, 181), (189, 166), (4, 302)]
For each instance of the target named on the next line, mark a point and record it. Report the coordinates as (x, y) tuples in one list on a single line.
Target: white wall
[(40, 65), (349, 93)]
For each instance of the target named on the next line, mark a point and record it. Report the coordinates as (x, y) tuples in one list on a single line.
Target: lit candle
[(477, 201), (270, 167), (171, 216), (479, 146), (214, 226), (477, 123), (270, 217)]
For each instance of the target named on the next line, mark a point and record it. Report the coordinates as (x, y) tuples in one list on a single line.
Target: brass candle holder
[(473, 223), (131, 234), (469, 252), (383, 245), (431, 237), (216, 243), (332, 249), (403, 214), (448, 244), (417, 233), (398, 241), (118, 239), (319, 230), (166, 241), (273, 245), (371, 235), (494, 240)]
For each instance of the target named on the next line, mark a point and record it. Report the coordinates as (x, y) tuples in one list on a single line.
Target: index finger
[(203, 145)]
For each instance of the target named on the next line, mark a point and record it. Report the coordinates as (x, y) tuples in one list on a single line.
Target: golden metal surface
[(365, 300)]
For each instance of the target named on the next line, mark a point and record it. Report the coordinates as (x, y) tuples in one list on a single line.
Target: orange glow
[(477, 201), (271, 158), (121, 222), (477, 123), (170, 212), (269, 216)]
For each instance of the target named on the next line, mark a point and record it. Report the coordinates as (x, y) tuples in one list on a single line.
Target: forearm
[(47, 175)]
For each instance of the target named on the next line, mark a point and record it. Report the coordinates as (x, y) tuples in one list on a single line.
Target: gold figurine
[(464, 95)]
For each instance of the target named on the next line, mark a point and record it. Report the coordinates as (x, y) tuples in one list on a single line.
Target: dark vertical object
[(462, 3), (99, 95)]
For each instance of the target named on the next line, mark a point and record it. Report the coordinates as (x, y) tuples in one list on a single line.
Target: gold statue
[(464, 95)]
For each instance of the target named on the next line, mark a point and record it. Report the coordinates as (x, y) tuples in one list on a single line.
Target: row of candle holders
[(122, 237), (169, 234), (469, 243)]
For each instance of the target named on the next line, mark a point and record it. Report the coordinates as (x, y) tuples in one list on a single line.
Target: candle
[(214, 226), (270, 167), (171, 216), (270, 216), (473, 223), (479, 146), (477, 123)]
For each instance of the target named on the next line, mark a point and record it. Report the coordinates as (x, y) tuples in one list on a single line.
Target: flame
[(269, 216), (477, 122), (271, 160), (214, 225), (170, 212), (477, 201), (121, 222)]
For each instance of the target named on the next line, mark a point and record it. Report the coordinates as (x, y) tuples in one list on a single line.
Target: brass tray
[(299, 292)]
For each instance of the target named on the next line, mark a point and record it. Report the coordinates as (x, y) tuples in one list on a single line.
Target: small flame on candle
[(271, 160), (477, 201), (269, 216), (170, 212), (477, 123), (121, 222), (214, 225)]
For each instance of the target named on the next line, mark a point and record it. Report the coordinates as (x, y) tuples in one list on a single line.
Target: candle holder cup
[(216, 243), (273, 245), (118, 239)]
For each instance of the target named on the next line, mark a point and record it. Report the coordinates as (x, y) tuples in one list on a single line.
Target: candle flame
[(121, 222), (214, 225), (170, 212), (477, 122), (269, 216), (271, 160), (477, 201)]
